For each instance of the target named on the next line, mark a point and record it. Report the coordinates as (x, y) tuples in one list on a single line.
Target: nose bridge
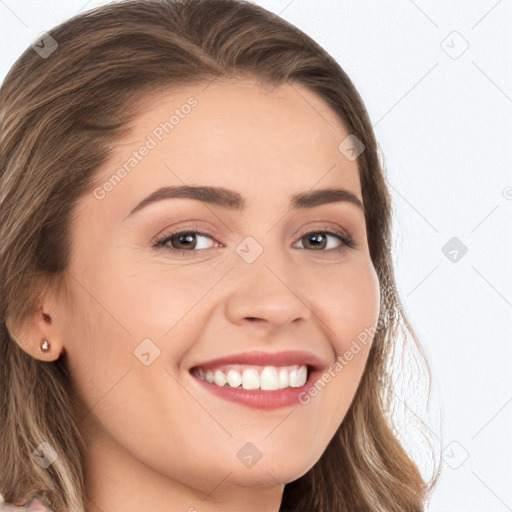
[(264, 289)]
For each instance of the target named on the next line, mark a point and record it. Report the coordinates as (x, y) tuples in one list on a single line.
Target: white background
[(443, 119)]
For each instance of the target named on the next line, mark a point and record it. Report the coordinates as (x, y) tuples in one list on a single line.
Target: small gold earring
[(45, 346)]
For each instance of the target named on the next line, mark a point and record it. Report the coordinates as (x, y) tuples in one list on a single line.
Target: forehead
[(254, 138)]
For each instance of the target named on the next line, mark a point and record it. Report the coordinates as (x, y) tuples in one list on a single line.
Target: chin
[(267, 474)]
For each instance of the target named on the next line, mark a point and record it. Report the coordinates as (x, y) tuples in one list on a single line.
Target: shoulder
[(35, 504)]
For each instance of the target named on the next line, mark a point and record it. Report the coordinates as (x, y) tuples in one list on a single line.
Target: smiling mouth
[(252, 377), (260, 379)]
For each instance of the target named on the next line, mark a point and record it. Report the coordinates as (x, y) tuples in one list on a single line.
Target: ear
[(36, 327)]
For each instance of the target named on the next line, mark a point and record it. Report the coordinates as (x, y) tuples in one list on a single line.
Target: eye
[(319, 240), (186, 241), (182, 241)]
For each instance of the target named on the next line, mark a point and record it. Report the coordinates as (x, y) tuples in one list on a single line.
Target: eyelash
[(346, 240)]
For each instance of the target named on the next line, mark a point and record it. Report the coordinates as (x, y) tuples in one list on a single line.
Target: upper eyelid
[(323, 225), (343, 236)]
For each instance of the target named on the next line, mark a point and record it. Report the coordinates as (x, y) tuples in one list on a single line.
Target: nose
[(264, 297)]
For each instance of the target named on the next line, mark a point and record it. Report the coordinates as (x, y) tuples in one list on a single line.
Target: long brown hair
[(59, 115)]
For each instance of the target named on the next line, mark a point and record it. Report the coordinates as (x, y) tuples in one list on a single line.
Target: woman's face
[(258, 276)]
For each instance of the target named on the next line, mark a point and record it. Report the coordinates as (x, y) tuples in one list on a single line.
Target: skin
[(156, 439)]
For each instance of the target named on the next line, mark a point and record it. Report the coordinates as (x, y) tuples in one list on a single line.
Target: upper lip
[(261, 358)]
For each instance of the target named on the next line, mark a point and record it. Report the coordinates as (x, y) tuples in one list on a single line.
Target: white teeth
[(219, 378), (298, 377), (302, 375), (250, 379), (270, 378), (234, 378), (284, 379)]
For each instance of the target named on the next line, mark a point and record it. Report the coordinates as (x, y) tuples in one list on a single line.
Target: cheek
[(118, 316), (352, 303), (98, 347), (101, 332), (152, 295)]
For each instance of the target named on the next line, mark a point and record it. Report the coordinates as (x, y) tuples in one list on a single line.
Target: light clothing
[(35, 504)]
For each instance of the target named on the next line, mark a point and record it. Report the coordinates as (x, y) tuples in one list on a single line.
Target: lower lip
[(259, 398)]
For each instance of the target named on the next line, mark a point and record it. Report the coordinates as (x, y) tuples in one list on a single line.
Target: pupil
[(188, 237), (316, 237)]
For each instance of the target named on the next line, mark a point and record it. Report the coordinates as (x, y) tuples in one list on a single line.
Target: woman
[(199, 302)]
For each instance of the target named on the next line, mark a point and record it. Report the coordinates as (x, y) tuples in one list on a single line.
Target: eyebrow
[(232, 200)]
